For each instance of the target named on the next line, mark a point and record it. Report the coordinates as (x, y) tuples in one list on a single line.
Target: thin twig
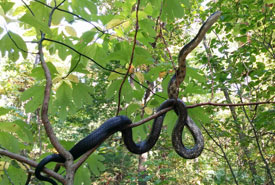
[(16, 45), (28, 7), (192, 106), (224, 154), (73, 68), (228, 104), (131, 61), (257, 139), (213, 152), (157, 114), (97, 63), (78, 16)]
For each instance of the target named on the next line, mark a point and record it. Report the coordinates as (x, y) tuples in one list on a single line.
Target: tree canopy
[(67, 66)]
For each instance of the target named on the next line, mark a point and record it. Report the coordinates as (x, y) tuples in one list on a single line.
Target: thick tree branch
[(44, 114), (45, 105)]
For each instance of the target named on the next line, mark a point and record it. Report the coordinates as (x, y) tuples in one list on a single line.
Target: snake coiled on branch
[(173, 92), (121, 123)]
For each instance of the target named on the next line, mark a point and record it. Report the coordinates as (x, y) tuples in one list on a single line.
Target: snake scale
[(120, 123)]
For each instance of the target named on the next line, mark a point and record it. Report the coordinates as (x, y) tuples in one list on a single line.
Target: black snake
[(120, 123)]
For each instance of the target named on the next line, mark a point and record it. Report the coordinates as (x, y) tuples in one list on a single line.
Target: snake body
[(173, 92), (95, 138), (178, 77), (115, 124), (120, 123)]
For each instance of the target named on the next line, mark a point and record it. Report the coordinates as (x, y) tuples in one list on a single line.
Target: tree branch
[(131, 61), (45, 105), (31, 163), (224, 154), (194, 106), (229, 104), (97, 63), (257, 139), (73, 14)]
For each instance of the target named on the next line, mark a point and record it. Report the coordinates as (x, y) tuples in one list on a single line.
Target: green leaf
[(148, 26), (27, 94), (71, 31), (36, 93), (142, 56), (194, 73), (39, 74), (4, 111), (122, 53), (82, 176), (6, 6), (115, 76), (41, 12), (172, 9), (127, 91), (194, 89), (34, 103), (87, 37), (11, 47), (140, 132), (269, 1), (101, 55), (9, 142), (20, 44), (38, 24), (95, 164), (80, 8), (198, 114), (20, 128), (67, 144), (252, 59), (153, 74), (115, 22), (64, 99), (186, 3), (113, 89), (17, 174), (81, 94), (57, 17), (132, 108), (170, 121)]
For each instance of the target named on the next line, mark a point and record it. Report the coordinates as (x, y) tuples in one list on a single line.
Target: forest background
[(88, 45)]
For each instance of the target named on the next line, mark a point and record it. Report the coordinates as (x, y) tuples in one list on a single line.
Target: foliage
[(88, 48)]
